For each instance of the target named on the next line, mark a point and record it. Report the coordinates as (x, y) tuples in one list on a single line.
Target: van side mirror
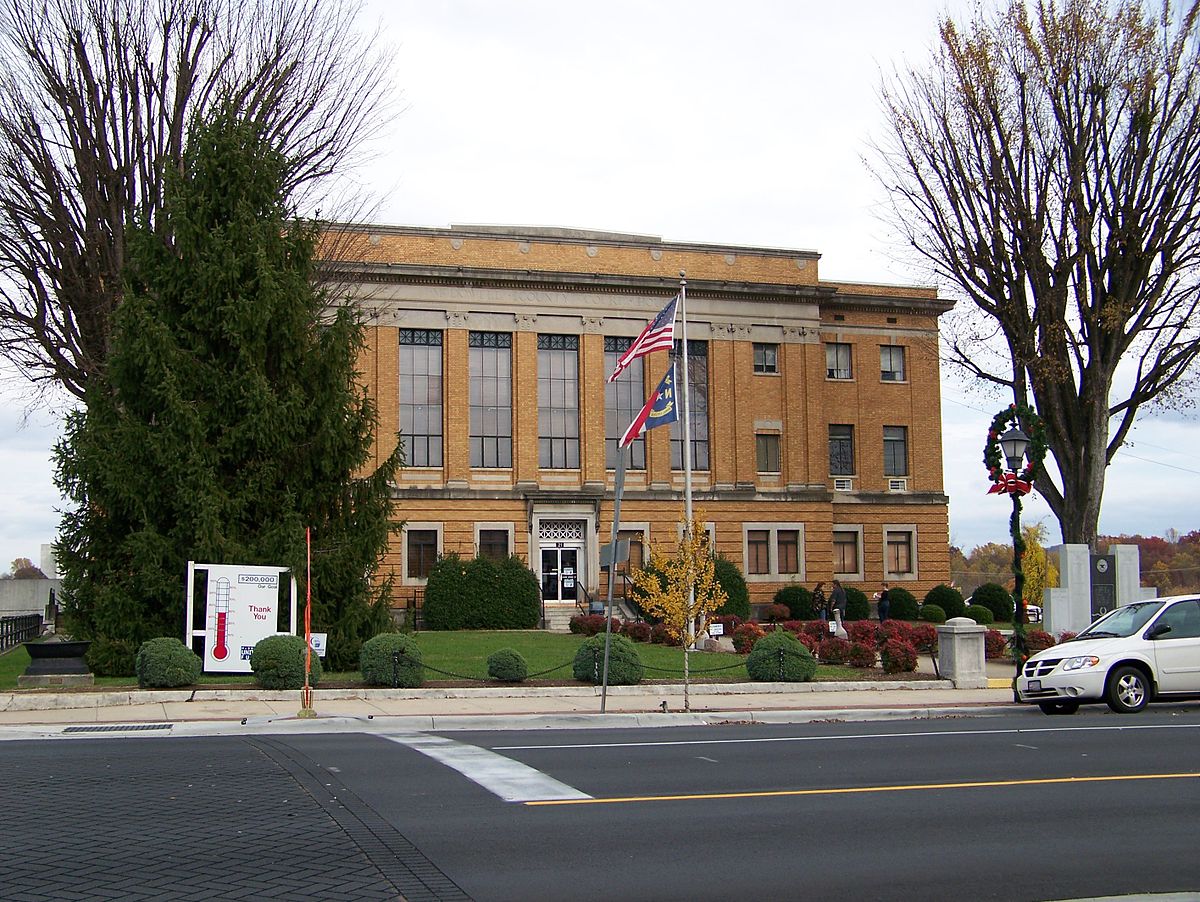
[(1159, 629)]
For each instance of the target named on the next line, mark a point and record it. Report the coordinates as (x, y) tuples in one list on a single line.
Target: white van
[(1134, 654)]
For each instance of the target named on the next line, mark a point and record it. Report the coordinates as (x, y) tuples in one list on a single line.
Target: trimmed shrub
[(798, 601), (780, 656), (865, 632), (996, 599), (833, 650), (1065, 636), (730, 578), (1038, 640), (481, 594), (507, 665), (166, 663), (947, 598), (379, 668), (924, 637), (895, 629), (812, 643), (278, 663), (980, 614), (636, 631), (774, 613), (818, 629), (591, 624), (995, 645), (111, 658), (661, 634), (898, 656), (932, 613), (624, 663), (447, 605), (745, 636), (857, 606), (517, 605), (861, 655), (902, 604)]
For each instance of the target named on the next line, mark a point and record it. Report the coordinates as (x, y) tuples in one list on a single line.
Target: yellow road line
[(850, 790)]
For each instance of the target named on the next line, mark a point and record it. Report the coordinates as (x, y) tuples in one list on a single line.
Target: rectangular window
[(846, 560), (697, 402), (891, 363), (766, 358), (895, 450), (623, 400), (758, 548), (766, 446), (899, 552), (493, 543), (558, 401), (421, 548), (421, 396), (837, 361), (491, 399), (841, 450), (787, 543)]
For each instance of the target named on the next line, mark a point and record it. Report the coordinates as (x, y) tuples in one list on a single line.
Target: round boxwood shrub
[(978, 613), (737, 596), (166, 663), (507, 665), (780, 657), (798, 600), (902, 605), (857, 606), (624, 663), (898, 656), (380, 668), (932, 613), (278, 663), (111, 658), (996, 599), (947, 598)]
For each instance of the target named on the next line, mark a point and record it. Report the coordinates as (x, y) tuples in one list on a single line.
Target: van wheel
[(1058, 707), (1128, 690)]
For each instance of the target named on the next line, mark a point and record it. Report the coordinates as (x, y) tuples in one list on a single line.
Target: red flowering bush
[(818, 629), (864, 632), (591, 624), (795, 627), (898, 656), (924, 638), (1038, 640), (745, 636), (1065, 636), (995, 645), (661, 634), (861, 655), (812, 643), (638, 632), (833, 650), (774, 613), (895, 629)]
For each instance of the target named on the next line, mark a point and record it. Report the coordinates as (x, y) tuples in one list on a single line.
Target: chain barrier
[(462, 676), (596, 668)]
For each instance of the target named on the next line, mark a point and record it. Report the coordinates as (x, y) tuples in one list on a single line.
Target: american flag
[(659, 335)]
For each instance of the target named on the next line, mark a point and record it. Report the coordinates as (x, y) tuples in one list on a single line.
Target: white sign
[(243, 608), (716, 629), (316, 642)]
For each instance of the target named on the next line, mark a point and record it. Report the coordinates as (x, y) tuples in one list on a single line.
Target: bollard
[(396, 669)]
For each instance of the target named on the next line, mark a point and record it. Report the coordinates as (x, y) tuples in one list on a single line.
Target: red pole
[(307, 700)]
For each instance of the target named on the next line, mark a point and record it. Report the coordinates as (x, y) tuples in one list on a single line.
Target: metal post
[(618, 488)]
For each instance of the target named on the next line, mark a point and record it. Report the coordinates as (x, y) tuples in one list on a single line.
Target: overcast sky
[(694, 121)]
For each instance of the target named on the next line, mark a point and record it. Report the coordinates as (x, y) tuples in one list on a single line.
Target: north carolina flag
[(660, 409), (659, 335)]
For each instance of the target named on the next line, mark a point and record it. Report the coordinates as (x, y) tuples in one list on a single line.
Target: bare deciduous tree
[(96, 97), (1046, 163)]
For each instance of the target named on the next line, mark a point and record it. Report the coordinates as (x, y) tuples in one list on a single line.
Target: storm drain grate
[(118, 728)]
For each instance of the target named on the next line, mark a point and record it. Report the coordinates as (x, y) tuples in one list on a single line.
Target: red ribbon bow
[(1012, 484)]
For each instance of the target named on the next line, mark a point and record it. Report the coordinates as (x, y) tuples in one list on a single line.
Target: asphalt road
[(1018, 806)]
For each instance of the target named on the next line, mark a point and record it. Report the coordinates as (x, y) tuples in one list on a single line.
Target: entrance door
[(560, 574)]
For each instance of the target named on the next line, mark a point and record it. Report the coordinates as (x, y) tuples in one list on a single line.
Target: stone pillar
[(1069, 607), (961, 657)]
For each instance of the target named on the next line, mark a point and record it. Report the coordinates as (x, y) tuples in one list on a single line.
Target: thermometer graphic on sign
[(221, 649)]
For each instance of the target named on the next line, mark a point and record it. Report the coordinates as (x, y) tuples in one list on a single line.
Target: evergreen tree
[(231, 417)]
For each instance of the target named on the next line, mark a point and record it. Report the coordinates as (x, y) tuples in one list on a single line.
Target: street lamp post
[(1014, 443)]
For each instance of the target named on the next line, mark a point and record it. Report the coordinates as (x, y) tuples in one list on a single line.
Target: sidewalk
[(498, 707)]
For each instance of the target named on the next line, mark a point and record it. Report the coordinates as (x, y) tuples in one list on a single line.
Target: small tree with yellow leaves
[(682, 590)]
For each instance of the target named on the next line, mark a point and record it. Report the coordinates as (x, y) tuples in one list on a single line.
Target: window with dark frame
[(841, 449), (697, 401), (895, 450), (493, 543), (838, 361), (758, 548), (766, 358), (490, 399), (845, 552), (558, 402), (421, 396), (787, 542), (891, 363), (899, 552), (766, 445), (623, 400), (422, 552)]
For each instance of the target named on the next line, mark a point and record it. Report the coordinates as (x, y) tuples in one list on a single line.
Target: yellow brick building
[(815, 406)]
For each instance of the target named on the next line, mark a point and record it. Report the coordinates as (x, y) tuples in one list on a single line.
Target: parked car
[(1134, 654)]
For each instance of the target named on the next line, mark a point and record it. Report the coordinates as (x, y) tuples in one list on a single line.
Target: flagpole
[(685, 400), (618, 488)]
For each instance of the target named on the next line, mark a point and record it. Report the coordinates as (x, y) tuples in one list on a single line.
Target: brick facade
[(531, 282)]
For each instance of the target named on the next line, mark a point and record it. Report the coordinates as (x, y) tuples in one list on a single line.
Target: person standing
[(818, 601), (884, 604), (837, 599)]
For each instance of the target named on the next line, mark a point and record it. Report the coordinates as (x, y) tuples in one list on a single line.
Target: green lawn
[(463, 655)]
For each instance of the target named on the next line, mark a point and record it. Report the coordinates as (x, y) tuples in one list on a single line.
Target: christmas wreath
[(1005, 481)]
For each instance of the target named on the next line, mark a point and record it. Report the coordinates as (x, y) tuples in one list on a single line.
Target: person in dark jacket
[(820, 605), (837, 599), (884, 604)]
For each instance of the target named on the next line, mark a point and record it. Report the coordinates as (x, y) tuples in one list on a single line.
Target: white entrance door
[(560, 574)]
